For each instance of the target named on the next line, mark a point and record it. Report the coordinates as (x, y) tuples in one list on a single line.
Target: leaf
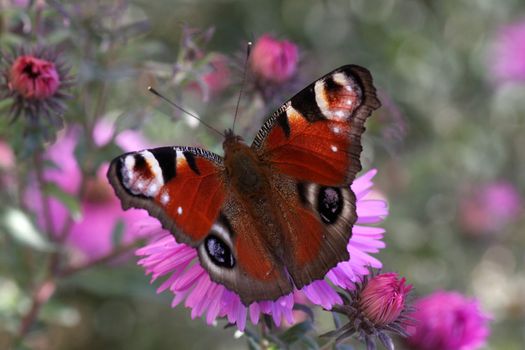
[(307, 310), (69, 201), (307, 342), (117, 233), (127, 281), (296, 332), (20, 227), (343, 346)]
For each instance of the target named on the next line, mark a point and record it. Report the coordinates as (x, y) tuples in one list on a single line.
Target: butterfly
[(271, 216)]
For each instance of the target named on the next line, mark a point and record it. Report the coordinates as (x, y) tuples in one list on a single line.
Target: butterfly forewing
[(316, 136), (181, 186)]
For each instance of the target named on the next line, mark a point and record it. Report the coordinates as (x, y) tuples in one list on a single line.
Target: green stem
[(39, 170)]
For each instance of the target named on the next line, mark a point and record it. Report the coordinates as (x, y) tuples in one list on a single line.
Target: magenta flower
[(448, 321), (383, 298), (490, 207), (507, 58), (90, 235), (189, 282), (273, 60), (7, 157), (19, 3)]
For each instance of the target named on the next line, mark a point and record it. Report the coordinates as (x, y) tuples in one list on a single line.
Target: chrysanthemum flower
[(90, 236), (507, 57), (273, 60), (376, 307), (189, 282), (36, 82), (448, 321)]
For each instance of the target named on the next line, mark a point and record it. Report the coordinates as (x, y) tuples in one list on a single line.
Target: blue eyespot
[(219, 253)]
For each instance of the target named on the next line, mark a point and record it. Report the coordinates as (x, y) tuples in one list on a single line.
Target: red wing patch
[(314, 152)]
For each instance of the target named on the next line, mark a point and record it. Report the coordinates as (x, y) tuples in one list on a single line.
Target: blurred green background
[(447, 128)]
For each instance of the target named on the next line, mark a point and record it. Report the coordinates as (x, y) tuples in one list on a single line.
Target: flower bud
[(33, 78), (383, 298)]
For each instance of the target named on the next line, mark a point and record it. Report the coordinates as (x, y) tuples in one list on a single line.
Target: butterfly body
[(248, 176), (269, 217)]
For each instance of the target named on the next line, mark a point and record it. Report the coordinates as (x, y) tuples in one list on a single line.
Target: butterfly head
[(231, 141)]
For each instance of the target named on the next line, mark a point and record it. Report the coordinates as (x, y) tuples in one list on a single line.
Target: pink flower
[(7, 157), (218, 77), (507, 58), (273, 60), (490, 207), (7, 167), (448, 321), (19, 3), (375, 308), (189, 282), (32, 77), (90, 236), (383, 298)]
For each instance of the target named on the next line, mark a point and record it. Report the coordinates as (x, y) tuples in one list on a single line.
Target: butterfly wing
[(186, 189), (313, 143), (183, 187), (316, 136), (251, 270)]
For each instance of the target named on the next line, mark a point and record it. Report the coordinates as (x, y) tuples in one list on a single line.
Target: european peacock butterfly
[(270, 216)]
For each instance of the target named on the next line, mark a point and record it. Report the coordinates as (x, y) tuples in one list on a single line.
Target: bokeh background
[(448, 143)]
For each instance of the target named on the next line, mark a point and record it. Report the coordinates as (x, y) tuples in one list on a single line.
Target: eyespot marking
[(330, 203), (219, 252)]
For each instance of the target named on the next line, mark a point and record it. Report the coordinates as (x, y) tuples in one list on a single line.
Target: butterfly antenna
[(248, 50), (173, 104)]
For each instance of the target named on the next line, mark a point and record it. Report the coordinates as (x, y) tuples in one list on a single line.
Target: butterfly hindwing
[(317, 226), (181, 186), (320, 228), (237, 255)]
